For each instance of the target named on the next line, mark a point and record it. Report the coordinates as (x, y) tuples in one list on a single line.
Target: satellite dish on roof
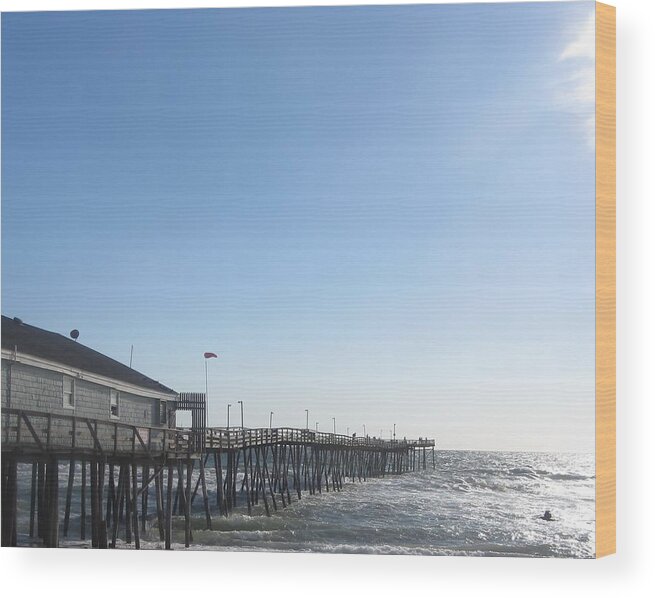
[(74, 333)]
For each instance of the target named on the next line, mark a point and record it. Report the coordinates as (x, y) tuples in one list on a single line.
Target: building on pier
[(48, 372)]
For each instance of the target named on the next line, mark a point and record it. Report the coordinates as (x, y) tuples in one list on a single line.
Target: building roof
[(52, 346)]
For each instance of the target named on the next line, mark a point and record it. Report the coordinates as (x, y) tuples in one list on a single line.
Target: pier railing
[(231, 438), (36, 431)]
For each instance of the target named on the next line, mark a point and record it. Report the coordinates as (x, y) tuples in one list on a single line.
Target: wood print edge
[(605, 280)]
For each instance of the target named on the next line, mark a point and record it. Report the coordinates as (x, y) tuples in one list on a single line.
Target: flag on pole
[(208, 355)]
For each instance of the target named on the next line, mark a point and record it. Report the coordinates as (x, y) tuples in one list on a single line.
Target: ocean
[(470, 504)]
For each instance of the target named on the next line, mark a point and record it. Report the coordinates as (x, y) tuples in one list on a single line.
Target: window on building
[(69, 392), (162, 413), (113, 403)]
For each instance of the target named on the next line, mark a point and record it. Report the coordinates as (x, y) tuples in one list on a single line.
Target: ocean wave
[(474, 504), (570, 476), (526, 472)]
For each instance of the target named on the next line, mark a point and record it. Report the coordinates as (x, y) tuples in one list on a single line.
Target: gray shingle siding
[(3, 384), (39, 389)]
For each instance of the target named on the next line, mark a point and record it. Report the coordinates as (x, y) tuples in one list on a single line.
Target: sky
[(384, 215)]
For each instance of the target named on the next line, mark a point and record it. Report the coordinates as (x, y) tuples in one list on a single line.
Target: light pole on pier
[(364, 426), (394, 432), (317, 426), (306, 419), (270, 420), (334, 425), (241, 403), (228, 415)]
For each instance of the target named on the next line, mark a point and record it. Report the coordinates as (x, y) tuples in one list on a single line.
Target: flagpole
[(206, 385), (207, 356)]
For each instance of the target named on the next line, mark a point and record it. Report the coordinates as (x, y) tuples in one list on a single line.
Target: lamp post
[(228, 415), (241, 403), (334, 425), (306, 419), (317, 426), (348, 431), (394, 432), (364, 426), (270, 421)]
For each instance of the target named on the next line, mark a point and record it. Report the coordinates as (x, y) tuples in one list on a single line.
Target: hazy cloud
[(584, 45), (577, 89)]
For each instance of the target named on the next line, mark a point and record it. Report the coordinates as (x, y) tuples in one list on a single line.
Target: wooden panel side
[(605, 279)]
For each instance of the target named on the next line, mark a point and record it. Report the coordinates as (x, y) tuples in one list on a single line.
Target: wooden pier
[(130, 475)]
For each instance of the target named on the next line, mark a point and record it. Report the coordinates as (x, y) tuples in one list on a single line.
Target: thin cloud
[(577, 91), (584, 45)]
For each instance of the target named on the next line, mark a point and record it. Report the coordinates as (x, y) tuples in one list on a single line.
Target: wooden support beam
[(169, 506), (134, 502), (52, 505), (83, 502), (220, 494), (245, 481), (187, 504), (33, 488), (102, 521), (205, 496), (259, 475), (69, 496), (267, 478), (159, 499), (32, 431), (93, 428), (111, 493), (93, 471), (118, 500), (129, 506), (145, 484), (9, 501)]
